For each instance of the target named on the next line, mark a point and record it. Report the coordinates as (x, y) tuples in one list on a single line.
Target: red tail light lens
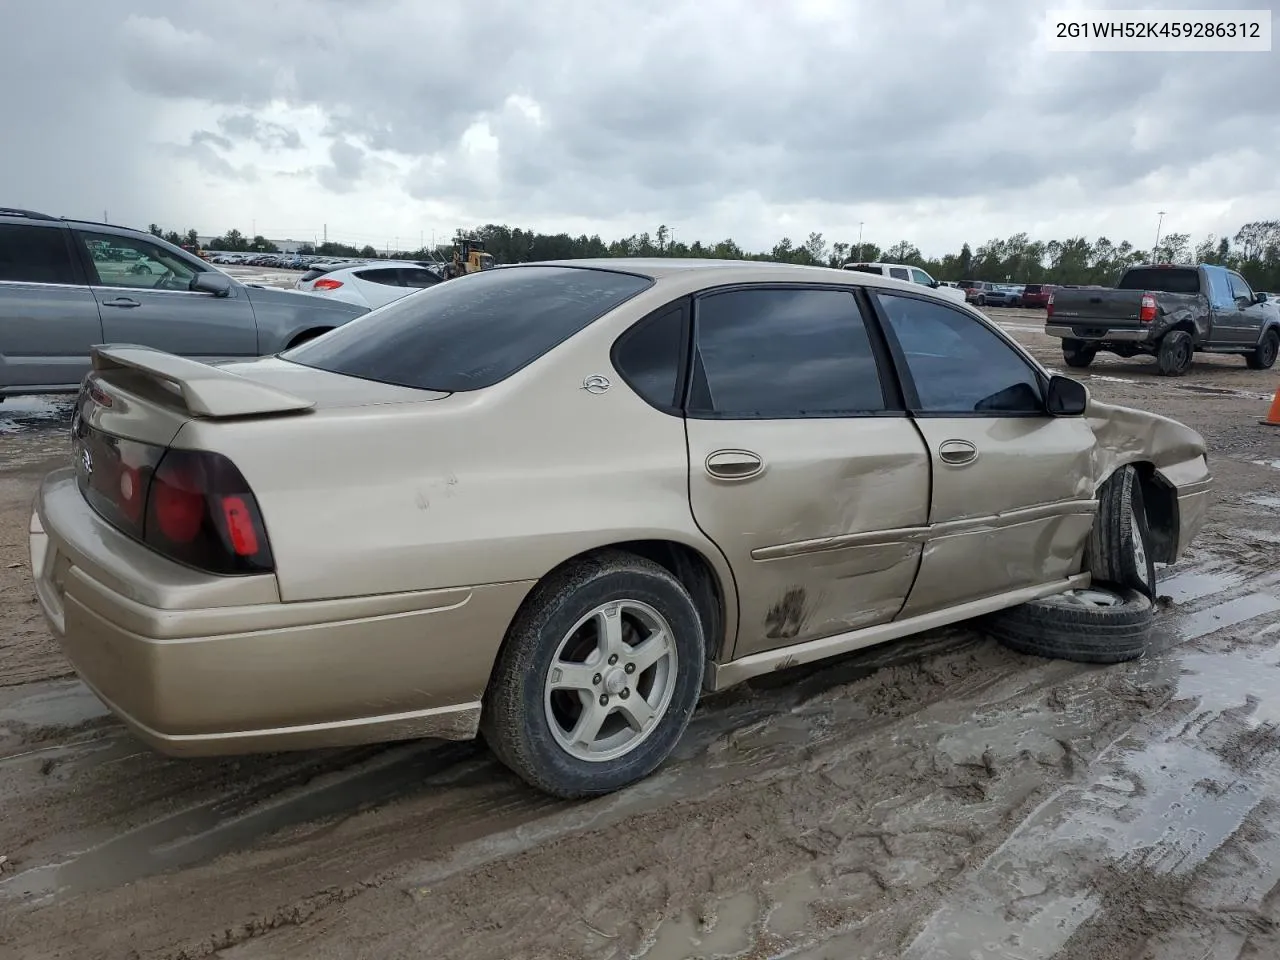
[(1048, 307), (1147, 312), (328, 284), (193, 507)]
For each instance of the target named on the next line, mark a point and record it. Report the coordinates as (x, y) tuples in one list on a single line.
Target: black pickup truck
[(1168, 311)]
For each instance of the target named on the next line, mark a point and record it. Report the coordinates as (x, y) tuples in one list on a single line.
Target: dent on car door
[(1012, 500), (143, 291), (48, 317), (804, 469), (1249, 316)]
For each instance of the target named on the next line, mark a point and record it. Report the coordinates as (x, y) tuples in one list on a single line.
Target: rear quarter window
[(472, 332)]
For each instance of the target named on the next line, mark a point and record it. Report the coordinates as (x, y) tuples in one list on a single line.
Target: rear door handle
[(957, 452), (121, 302), (734, 464)]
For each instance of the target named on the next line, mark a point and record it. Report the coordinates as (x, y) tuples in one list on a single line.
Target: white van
[(901, 271)]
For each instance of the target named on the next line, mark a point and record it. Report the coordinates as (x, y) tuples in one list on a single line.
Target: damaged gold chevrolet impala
[(551, 504)]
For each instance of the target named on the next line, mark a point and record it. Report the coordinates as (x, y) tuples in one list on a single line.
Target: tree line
[(1254, 250)]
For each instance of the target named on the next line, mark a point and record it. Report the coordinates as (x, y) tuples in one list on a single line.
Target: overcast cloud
[(388, 120)]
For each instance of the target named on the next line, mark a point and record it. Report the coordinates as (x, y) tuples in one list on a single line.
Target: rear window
[(863, 268), (472, 332), (1031, 288), (316, 274), (1161, 280)]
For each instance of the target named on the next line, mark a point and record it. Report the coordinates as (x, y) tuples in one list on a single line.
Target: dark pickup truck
[(1167, 311)]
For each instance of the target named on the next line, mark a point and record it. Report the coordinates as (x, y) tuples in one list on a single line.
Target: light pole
[(1159, 223), (859, 254)]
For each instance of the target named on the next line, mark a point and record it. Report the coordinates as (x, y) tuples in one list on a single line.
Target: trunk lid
[(1085, 307)]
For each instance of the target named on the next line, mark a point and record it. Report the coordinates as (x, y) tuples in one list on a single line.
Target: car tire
[(1076, 353), (540, 691), (1173, 359), (1264, 357), (1093, 625), (982, 301), (1119, 552)]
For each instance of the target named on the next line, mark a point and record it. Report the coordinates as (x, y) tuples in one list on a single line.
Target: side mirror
[(1259, 298), (211, 281), (935, 284), (1066, 397)]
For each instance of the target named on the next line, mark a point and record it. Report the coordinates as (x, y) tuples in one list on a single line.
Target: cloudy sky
[(937, 122)]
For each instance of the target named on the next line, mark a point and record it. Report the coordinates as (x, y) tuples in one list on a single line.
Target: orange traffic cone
[(1273, 416)]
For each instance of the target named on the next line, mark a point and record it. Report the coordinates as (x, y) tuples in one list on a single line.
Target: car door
[(1012, 500), (142, 290), (48, 316), (803, 467), (1249, 317)]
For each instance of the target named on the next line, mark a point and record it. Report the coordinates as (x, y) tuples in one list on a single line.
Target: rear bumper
[(1100, 334), (204, 665)]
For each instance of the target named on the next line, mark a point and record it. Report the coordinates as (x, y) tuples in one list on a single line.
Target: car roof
[(659, 267)]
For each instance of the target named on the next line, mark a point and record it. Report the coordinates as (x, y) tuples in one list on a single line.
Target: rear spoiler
[(207, 391)]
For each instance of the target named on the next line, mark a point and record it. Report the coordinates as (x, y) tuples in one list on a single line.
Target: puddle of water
[(1273, 464), (1195, 584), (1144, 807), (791, 899), (63, 703), (18, 414), (1229, 614), (1265, 501), (1098, 376), (724, 930)]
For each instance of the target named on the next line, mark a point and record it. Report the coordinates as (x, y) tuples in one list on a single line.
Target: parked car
[(1003, 295), (369, 284), (1036, 294), (68, 284), (555, 502), (975, 291), (902, 271), (1168, 311)]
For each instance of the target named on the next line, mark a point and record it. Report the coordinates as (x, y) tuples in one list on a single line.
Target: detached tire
[(1264, 357), (1077, 353), (1173, 359), (597, 678), (1095, 625), (1119, 551)]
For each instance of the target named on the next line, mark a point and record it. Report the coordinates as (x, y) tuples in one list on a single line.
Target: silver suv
[(66, 285)]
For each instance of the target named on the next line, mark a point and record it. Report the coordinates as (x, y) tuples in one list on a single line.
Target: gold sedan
[(553, 503)]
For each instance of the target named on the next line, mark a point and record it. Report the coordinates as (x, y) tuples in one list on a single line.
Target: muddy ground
[(935, 798)]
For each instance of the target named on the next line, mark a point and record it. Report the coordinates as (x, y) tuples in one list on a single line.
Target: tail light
[(1147, 312), (193, 507), (327, 284), (1048, 307)]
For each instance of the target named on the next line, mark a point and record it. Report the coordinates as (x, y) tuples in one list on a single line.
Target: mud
[(935, 798)]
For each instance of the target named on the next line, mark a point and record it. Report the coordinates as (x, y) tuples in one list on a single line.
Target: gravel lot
[(935, 798)]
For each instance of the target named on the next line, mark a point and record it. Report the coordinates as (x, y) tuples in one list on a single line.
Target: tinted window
[(1031, 288), (471, 332), (419, 278), (387, 276), (1239, 288), (784, 353), (649, 356), (1161, 280), (865, 269), (898, 273), (35, 254), (957, 363), (126, 262)]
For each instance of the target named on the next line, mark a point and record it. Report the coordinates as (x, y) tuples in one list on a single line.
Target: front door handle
[(734, 464), (957, 453), (121, 302)]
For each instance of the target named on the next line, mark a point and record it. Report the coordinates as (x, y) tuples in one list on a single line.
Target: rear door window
[(387, 276), (471, 332), (35, 254), (899, 273)]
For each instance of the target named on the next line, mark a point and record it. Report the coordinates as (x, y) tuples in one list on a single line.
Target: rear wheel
[(982, 301), (1264, 357), (1077, 353), (597, 678), (1173, 359), (1095, 625)]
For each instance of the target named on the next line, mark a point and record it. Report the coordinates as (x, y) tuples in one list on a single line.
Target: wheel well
[(1160, 501), (306, 335), (687, 565)]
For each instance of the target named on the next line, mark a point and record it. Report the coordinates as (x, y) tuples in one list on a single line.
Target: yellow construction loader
[(468, 257)]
